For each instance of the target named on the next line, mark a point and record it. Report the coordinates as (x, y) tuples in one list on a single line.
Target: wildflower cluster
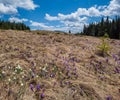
[(18, 69), (38, 90), (107, 69), (14, 76)]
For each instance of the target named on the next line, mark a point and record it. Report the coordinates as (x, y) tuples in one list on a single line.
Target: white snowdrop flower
[(44, 69), (9, 67), (9, 79), (15, 70), (21, 84), (23, 76), (14, 78), (60, 72), (37, 76), (3, 72), (18, 66)]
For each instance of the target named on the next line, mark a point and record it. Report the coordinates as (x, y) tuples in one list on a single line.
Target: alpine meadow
[(59, 49)]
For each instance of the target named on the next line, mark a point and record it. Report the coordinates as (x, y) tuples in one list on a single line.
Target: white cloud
[(76, 20), (93, 11), (10, 6), (43, 26), (71, 21), (40, 25), (62, 17), (101, 8), (106, 10), (75, 16), (113, 8), (17, 20), (50, 18), (7, 9), (59, 27)]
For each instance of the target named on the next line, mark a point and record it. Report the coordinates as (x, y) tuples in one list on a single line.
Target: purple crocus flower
[(107, 60), (109, 98), (42, 95), (52, 75), (74, 73), (32, 87), (38, 87), (117, 70), (67, 83), (68, 68), (33, 75), (69, 75), (74, 70), (118, 62), (115, 57), (33, 63), (100, 62), (101, 77)]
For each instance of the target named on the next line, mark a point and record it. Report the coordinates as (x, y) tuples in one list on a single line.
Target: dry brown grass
[(38, 48)]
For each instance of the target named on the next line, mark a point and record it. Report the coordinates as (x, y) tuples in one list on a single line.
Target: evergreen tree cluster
[(12, 25), (112, 28)]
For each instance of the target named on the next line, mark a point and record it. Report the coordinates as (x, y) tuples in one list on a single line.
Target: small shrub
[(106, 35), (104, 47)]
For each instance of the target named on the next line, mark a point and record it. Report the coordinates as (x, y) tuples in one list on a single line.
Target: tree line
[(12, 25), (105, 26)]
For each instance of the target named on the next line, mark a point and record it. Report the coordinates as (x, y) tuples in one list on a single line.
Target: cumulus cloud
[(113, 8), (76, 20), (17, 20), (75, 16), (9, 9), (50, 18), (105, 10), (10, 6), (43, 26), (71, 21), (40, 25)]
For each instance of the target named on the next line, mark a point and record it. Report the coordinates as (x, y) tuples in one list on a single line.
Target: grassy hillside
[(43, 65)]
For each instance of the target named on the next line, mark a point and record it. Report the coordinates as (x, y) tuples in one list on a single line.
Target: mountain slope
[(57, 66)]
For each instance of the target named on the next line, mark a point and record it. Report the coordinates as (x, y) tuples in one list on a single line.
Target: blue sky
[(62, 15)]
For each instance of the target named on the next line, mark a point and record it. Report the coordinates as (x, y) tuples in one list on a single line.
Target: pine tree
[(112, 28), (13, 25)]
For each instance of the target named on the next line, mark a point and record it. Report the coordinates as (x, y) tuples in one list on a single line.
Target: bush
[(104, 47)]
